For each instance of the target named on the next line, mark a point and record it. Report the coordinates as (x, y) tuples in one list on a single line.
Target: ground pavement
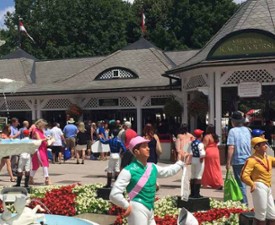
[(93, 172)]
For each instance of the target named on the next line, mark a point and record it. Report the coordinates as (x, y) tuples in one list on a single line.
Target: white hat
[(71, 120), (128, 124)]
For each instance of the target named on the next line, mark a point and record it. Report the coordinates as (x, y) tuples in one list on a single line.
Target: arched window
[(116, 73)]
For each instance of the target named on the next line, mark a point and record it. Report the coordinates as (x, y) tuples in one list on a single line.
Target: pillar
[(139, 119), (218, 103), (211, 98)]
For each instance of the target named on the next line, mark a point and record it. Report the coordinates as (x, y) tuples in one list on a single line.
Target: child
[(24, 163), (114, 162), (198, 153), (257, 173), (139, 179), (260, 133)]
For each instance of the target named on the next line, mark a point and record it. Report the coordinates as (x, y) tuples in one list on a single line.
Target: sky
[(8, 5)]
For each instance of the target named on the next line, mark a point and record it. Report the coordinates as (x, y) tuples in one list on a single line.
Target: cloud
[(2, 15)]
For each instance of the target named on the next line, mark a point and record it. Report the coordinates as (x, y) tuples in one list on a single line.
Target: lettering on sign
[(244, 45), (249, 89)]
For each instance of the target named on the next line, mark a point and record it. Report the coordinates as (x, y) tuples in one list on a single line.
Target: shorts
[(56, 149), (81, 147), (70, 142), (114, 163)]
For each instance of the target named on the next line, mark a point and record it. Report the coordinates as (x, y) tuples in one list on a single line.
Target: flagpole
[(19, 33)]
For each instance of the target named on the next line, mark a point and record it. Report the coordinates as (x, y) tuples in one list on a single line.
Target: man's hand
[(253, 188), (128, 211)]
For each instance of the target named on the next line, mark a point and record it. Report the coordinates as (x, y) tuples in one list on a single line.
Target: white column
[(185, 106), (218, 101), (38, 111), (211, 97), (138, 107)]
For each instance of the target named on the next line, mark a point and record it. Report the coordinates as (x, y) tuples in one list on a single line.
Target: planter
[(194, 204)]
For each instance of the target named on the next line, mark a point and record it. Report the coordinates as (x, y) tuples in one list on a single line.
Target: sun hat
[(198, 132), (257, 132), (135, 141), (237, 116), (257, 140), (71, 120)]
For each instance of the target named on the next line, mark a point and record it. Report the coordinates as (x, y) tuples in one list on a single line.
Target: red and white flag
[(143, 27), (23, 29)]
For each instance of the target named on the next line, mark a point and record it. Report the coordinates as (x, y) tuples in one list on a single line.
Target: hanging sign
[(249, 89)]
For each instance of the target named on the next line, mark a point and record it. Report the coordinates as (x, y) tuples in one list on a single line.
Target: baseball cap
[(198, 132), (257, 140), (135, 141), (26, 132), (257, 132)]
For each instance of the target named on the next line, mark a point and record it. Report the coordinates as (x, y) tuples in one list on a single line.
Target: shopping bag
[(67, 154), (185, 184), (232, 190), (49, 153)]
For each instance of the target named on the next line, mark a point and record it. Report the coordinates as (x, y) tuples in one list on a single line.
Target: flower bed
[(77, 199)]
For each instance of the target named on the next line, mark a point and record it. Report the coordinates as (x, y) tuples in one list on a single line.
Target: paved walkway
[(93, 172)]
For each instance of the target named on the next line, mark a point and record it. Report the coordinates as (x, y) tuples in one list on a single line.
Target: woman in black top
[(81, 142)]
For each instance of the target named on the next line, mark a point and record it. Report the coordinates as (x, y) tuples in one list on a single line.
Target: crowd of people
[(132, 160)]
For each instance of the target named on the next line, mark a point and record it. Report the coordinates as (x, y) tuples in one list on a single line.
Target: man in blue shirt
[(239, 149), (70, 132), (116, 147)]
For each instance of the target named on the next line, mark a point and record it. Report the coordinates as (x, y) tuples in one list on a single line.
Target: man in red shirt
[(127, 136)]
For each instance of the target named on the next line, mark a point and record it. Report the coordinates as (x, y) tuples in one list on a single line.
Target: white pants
[(24, 163), (197, 168), (114, 163), (140, 215), (263, 202)]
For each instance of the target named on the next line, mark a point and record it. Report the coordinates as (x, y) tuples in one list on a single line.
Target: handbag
[(232, 190), (185, 185), (67, 154)]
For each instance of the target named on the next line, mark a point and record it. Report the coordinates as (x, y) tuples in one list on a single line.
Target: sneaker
[(77, 162), (82, 162)]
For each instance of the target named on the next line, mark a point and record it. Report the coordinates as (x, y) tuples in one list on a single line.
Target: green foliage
[(81, 28)]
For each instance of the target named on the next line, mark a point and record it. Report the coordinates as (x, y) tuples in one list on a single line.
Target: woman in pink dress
[(40, 157), (212, 175)]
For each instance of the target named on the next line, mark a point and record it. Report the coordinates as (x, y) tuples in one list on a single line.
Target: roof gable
[(253, 14)]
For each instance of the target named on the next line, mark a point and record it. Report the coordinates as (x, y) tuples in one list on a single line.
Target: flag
[(23, 29), (143, 28)]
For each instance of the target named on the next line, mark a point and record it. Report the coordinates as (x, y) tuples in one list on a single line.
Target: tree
[(183, 24), (66, 29), (80, 28)]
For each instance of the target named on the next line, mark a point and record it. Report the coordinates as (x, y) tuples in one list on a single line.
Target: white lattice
[(197, 81), (16, 105), (249, 75), (57, 104), (125, 102), (123, 74), (93, 103)]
